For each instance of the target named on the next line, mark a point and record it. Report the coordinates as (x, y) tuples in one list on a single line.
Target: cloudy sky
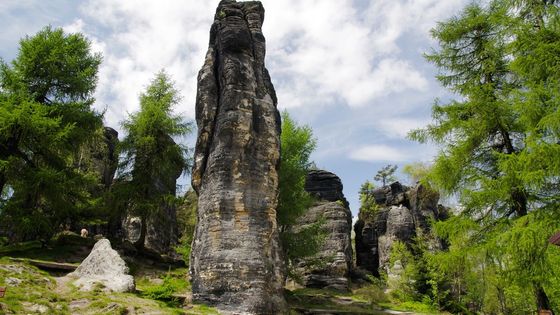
[(351, 69)]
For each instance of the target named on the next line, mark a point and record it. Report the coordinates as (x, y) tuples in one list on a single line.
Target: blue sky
[(351, 69)]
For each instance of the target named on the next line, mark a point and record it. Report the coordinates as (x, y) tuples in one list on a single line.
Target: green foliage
[(45, 113), (368, 206), (500, 156), (186, 221), (297, 144), (39, 288), (166, 290), (386, 174), (53, 67), (373, 293), (418, 172), (302, 244), (152, 160)]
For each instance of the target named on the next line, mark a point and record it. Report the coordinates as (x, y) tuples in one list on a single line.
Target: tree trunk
[(2, 182), (143, 232), (519, 202), (542, 299)]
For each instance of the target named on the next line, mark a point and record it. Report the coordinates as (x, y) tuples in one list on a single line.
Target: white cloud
[(397, 127), (319, 52), (339, 54), (76, 27), (139, 38), (378, 152)]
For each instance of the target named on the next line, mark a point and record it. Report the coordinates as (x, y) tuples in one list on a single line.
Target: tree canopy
[(45, 113), (500, 143), (386, 174), (297, 144), (152, 160)]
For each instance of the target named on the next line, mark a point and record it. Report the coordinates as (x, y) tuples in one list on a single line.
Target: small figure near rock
[(84, 233)]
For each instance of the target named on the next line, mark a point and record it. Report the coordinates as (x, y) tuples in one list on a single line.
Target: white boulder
[(104, 266)]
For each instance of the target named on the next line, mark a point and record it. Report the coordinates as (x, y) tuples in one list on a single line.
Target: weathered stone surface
[(403, 212), (103, 265), (336, 253), (108, 162), (100, 156), (324, 185), (236, 262)]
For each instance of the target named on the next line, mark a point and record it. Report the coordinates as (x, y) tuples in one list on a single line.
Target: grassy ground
[(318, 301), (161, 289), (30, 290)]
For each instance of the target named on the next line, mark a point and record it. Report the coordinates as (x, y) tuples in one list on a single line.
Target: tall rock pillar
[(236, 261)]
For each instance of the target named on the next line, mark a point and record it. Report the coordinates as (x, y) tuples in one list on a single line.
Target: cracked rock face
[(236, 261), (403, 212), (336, 252)]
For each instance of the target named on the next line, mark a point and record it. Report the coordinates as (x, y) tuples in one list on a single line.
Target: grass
[(339, 302), (69, 248), (161, 288), (39, 289)]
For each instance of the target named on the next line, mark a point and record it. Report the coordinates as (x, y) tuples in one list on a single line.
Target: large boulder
[(336, 253), (103, 266), (236, 262), (402, 213)]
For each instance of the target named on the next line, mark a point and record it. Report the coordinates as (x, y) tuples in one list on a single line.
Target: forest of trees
[(499, 155), (498, 140)]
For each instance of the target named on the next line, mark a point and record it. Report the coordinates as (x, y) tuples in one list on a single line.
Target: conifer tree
[(386, 174), (297, 144), (500, 138), (45, 113), (152, 160)]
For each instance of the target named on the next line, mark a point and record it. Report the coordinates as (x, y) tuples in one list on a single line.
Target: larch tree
[(297, 144), (152, 160), (46, 112), (499, 139)]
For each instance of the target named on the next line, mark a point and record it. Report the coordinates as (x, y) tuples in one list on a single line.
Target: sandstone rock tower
[(236, 261), (336, 252), (403, 213)]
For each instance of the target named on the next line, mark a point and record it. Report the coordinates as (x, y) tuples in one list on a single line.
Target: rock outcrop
[(335, 256), (236, 262), (103, 266), (100, 156), (107, 160), (403, 212)]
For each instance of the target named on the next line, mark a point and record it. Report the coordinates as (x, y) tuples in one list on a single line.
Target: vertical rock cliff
[(403, 213), (335, 256), (236, 261)]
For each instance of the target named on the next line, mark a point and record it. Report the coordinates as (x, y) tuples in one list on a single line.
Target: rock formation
[(336, 253), (236, 261), (402, 213), (107, 160), (104, 266), (100, 157)]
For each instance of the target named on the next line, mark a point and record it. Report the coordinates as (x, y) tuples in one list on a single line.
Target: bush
[(164, 291)]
